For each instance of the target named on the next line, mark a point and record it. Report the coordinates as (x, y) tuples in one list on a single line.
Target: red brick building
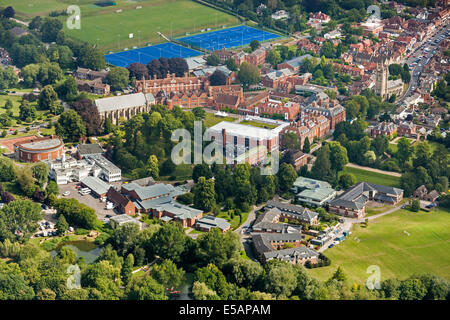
[(257, 57), (124, 204), (37, 149), (407, 129), (309, 126), (289, 110), (173, 84)]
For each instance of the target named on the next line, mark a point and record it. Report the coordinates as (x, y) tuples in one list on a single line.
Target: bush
[(415, 206), (81, 231), (102, 238)]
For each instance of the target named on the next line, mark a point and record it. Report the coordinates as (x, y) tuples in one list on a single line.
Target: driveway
[(246, 239), (389, 173)]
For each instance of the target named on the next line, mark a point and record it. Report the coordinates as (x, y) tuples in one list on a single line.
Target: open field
[(373, 177), (386, 243), (110, 29)]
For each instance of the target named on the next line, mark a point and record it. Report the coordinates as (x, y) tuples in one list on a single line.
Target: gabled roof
[(116, 197), (302, 212), (123, 101), (213, 222), (354, 197), (288, 254), (297, 62)]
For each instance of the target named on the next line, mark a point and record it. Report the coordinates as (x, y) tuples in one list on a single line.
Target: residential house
[(384, 129)]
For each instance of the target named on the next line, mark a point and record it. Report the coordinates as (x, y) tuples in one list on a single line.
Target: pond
[(185, 287), (82, 248)]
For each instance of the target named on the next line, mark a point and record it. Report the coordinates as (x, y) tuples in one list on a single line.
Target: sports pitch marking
[(228, 38), (146, 54), (215, 40)]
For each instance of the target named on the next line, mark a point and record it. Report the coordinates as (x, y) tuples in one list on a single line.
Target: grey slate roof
[(354, 198), (96, 185), (302, 212), (153, 191), (181, 211), (93, 148), (124, 101), (289, 254), (213, 222), (262, 241), (297, 61)]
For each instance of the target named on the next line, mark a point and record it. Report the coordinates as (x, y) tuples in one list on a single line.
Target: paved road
[(246, 238), (383, 213), (424, 57), (389, 173)]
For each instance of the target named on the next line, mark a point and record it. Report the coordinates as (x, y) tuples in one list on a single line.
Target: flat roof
[(124, 218), (42, 144), (237, 129)]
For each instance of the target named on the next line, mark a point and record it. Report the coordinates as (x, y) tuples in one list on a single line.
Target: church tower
[(381, 82)]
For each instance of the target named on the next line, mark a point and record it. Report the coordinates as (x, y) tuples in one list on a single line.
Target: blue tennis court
[(228, 38), (145, 55)]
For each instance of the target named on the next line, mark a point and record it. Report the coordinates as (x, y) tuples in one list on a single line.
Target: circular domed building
[(37, 149)]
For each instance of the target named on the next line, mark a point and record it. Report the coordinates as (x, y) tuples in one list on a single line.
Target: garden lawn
[(386, 244), (236, 221), (373, 177)]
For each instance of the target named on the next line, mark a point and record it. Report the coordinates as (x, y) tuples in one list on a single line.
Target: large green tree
[(204, 194), (249, 74), (19, 219), (70, 126)]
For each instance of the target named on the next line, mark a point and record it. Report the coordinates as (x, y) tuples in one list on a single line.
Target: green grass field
[(385, 244), (103, 25), (373, 177), (110, 29)]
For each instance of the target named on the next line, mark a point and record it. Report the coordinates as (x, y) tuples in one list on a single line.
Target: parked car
[(331, 245), (66, 193)]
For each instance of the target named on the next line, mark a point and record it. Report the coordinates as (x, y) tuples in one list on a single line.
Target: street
[(419, 58)]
